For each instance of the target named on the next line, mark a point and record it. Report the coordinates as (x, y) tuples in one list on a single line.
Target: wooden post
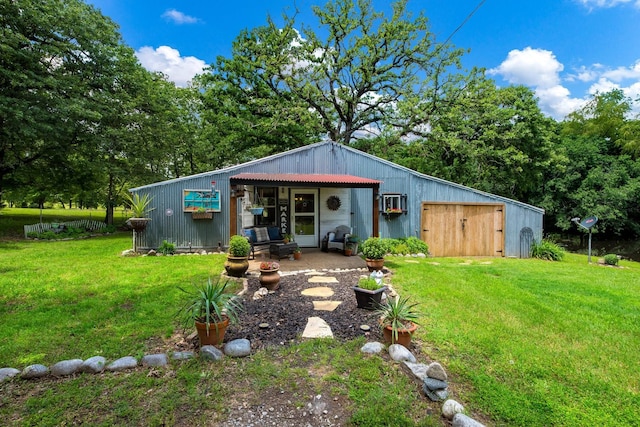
[(376, 210), (233, 213)]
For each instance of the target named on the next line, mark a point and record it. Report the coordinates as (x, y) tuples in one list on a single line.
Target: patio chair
[(337, 239)]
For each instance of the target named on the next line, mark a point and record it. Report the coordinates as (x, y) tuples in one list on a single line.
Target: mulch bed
[(287, 311)]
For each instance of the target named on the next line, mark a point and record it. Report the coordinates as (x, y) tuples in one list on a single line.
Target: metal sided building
[(311, 190)]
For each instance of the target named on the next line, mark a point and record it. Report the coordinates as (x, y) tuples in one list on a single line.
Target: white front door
[(304, 224)]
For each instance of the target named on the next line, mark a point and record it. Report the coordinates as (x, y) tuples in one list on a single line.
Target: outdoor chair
[(337, 239)]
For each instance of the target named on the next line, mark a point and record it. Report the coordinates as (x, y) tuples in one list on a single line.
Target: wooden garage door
[(458, 229)]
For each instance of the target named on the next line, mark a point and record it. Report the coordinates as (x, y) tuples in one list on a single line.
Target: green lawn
[(525, 342)]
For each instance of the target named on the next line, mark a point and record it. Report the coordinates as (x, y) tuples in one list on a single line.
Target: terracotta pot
[(236, 266), (348, 252), (269, 279), (215, 334), (139, 224), (297, 255), (368, 299), (374, 264), (404, 335)]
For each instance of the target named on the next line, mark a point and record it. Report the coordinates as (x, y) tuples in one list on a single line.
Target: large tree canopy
[(361, 74)]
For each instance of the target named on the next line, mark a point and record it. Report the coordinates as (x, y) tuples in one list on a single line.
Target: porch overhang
[(303, 180)]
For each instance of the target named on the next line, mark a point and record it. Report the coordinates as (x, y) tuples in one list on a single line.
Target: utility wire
[(464, 22)]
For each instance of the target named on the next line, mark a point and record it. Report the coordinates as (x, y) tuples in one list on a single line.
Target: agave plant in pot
[(211, 308), (238, 258), (374, 249), (368, 293), (399, 319), (140, 209)]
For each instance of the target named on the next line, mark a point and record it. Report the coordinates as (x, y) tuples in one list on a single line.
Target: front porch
[(312, 259)]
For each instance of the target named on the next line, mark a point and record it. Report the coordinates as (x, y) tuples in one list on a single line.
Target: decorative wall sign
[(283, 215), (334, 203), (192, 200)]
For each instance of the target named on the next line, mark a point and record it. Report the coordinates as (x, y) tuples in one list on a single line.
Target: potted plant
[(368, 293), (288, 238), (352, 243), (256, 209), (140, 209), (398, 318), (201, 213), (211, 308), (297, 253), (269, 276), (374, 249), (238, 258)]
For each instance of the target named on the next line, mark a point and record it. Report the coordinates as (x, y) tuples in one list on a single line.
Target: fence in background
[(86, 224)]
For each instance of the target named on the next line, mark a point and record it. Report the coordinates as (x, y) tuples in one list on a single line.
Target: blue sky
[(565, 50)]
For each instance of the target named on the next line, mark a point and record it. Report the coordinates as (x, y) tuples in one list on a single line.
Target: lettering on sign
[(283, 213)]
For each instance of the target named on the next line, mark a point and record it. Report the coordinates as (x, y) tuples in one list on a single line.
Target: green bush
[(611, 259), (374, 248), (407, 245), (167, 248), (239, 246), (546, 249)]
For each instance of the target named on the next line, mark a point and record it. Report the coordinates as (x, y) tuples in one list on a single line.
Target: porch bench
[(262, 237)]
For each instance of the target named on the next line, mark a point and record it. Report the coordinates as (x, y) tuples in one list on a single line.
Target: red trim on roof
[(300, 178)]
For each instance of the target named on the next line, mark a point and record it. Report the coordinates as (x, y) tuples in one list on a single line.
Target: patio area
[(312, 259)]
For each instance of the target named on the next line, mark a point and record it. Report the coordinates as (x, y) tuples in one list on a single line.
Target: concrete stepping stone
[(321, 291), (322, 279), (317, 328), (315, 273), (412, 261), (326, 305)]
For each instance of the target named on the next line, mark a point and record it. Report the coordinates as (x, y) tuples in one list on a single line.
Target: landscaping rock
[(419, 370), (238, 348), (461, 420), (35, 371), (399, 353), (94, 365), (434, 384), (435, 389), (372, 348), (317, 328), (182, 355), (209, 352), (6, 373), (450, 408), (66, 367), (435, 370), (155, 360), (127, 362)]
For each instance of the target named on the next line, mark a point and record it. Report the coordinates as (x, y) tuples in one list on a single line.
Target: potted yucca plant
[(211, 309), (399, 319)]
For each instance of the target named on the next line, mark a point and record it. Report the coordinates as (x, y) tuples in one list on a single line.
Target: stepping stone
[(315, 273), (321, 291), (326, 305), (317, 328), (411, 261), (322, 279)]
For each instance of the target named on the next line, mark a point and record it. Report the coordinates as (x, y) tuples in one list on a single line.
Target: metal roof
[(304, 179)]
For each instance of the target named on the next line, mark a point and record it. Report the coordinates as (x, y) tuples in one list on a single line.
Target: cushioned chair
[(337, 239), (262, 237)]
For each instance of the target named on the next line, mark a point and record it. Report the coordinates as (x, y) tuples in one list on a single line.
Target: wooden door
[(458, 229)]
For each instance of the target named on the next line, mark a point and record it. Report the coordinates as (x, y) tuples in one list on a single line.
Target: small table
[(282, 250)]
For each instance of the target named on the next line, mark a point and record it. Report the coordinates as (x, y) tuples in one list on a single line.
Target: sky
[(564, 50)]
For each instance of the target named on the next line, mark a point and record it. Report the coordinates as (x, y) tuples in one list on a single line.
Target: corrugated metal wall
[(323, 158)]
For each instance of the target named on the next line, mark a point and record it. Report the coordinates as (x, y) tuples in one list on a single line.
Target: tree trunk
[(110, 201)]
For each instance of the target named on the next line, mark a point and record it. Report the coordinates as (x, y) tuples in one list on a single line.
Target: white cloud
[(541, 70), (179, 17), (591, 4), (531, 67), (167, 60)]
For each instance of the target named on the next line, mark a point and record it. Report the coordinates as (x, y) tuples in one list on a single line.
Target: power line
[(464, 22)]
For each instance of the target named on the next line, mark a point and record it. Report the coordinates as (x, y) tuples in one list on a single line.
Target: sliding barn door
[(458, 229)]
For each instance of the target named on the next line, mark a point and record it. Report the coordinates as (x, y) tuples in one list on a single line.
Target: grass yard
[(534, 342), (525, 342)]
